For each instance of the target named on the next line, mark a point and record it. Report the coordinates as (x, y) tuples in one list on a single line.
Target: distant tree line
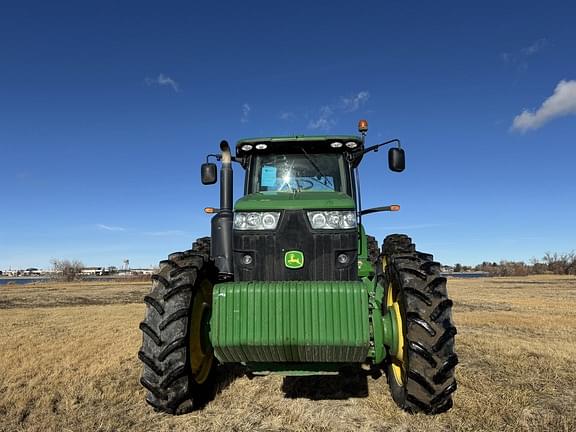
[(551, 263)]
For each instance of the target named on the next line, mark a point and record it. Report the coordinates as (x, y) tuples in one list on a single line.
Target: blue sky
[(107, 110)]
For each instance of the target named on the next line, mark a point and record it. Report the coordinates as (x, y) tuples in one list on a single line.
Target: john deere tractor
[(289, 283)]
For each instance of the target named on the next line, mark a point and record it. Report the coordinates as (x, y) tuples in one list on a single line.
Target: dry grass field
[(68, 363)]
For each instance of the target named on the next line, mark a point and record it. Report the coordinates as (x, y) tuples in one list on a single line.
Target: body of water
[(21, 280)]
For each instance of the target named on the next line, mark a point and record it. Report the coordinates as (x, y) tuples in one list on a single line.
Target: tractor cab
[(298, 164), (300, 196)]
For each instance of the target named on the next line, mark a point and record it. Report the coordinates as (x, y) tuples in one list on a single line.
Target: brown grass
[(68, 363)]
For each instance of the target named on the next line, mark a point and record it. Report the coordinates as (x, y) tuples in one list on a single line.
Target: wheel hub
[(394, 334), (201, 352), (398, 351)]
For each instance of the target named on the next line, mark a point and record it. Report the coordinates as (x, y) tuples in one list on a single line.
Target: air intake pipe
[(222, 222)]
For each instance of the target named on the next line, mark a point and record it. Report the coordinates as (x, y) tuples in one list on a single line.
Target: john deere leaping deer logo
[(294, 259)]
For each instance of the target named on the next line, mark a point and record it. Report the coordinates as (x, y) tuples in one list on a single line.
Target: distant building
[(93, 271), (135, 272), (32, 271), (143, 271)]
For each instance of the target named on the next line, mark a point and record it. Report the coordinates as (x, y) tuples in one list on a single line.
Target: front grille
[(320, 248)]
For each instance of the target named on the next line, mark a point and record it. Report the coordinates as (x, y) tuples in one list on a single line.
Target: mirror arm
[(375, 148), (218, 157), (239, 160)]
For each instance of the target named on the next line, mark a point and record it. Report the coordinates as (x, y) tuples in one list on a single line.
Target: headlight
[(256, 220), (332, 219)]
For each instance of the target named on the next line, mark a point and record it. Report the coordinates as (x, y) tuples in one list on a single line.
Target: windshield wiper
[(318, 170)]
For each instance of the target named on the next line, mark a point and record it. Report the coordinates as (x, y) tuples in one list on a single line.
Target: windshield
[(298, 172)]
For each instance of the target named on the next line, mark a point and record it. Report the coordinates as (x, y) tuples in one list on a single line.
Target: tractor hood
[(295, 201)]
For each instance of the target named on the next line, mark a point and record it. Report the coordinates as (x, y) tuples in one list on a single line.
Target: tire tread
[(164, 353), (430, 333)]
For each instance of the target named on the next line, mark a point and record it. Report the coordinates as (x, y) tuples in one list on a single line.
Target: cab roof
[(287, 144), (299, 139)]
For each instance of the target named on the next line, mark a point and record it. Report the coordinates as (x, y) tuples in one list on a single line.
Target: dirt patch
[(73, 294), (485, 307)]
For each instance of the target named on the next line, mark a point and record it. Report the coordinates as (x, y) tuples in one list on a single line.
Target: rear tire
[(423, 381), (373, 250), (202, 245), (178, 358)]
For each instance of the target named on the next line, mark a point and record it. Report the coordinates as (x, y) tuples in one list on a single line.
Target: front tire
[(421, 375), (178, 358)]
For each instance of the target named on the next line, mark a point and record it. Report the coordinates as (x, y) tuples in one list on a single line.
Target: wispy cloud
[(519, 58), (165, 233), (325, 120), (287, 115), (535, 48), (110, 228), (561, 103), (326, 117), (163, 80), (353, 103), (245, 113)]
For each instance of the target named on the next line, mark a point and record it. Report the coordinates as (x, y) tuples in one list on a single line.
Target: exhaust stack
[(222, 222)]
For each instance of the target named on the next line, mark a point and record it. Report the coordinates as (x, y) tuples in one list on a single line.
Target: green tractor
[(289, 283)]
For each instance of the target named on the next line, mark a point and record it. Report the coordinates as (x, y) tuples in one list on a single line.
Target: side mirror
[(396, 161), (209, 173)]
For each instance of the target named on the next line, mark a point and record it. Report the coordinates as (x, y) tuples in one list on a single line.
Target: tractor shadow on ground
[(225, 375), (352, 384)]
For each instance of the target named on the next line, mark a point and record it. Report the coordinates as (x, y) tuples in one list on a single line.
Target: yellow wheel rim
[(397, 365), (201, 352)]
